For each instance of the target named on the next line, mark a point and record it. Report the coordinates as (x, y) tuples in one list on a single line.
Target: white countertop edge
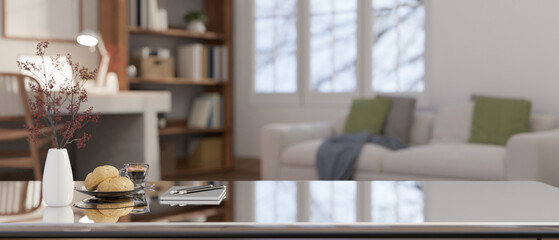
[(129, 102), (302, 224)]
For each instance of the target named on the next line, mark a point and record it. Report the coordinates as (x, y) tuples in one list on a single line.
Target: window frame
[(289, 99), (304, 95), (312, 97), (422, 99), (417, 94)]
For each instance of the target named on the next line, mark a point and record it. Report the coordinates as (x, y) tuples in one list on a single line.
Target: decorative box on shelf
[(157, 68)]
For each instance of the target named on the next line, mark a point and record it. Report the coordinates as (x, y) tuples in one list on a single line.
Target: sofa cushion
[(495, 120), (370, 158), (457, 160), (304, 154), (367, 115), (400, 118), (542, 122), (453, 123), (422, 128)]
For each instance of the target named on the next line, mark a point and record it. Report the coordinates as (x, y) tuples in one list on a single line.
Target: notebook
[(211, 197)]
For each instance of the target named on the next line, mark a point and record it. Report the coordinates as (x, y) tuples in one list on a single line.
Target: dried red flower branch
[(51, 107)]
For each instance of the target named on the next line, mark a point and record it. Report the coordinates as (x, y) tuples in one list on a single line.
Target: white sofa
[(439, 151)]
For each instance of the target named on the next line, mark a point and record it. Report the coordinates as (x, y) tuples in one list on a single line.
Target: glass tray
[(117, 203), (97, 194)]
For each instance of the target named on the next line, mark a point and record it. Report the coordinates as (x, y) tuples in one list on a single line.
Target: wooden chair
[(18, 198), (14, 108)]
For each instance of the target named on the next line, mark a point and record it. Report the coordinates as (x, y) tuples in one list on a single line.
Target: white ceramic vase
[(58, 215), (58, 181), (196, 26)]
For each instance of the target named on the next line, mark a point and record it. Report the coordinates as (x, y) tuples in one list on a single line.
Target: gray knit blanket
[(337, 156)]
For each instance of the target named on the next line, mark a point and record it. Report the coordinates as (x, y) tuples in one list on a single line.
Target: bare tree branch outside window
[(398, 62), (333, 46), (275, 39)]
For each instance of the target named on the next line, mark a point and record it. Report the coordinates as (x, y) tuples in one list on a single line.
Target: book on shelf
[(148, 14), (200, 113), (189, 61), (206, 111), (143, 11), (197, 61), (133, 13)]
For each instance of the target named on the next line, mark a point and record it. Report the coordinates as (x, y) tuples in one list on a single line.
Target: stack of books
[(206, 111), (198, 61), (148, 14)]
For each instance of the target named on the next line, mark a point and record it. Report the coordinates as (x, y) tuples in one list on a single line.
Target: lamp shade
[(91, 38), (88, 38)]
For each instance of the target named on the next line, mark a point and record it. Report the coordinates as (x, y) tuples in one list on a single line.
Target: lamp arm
[(104, 65)]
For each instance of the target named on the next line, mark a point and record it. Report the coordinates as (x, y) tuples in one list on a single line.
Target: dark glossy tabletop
[(303, 208)]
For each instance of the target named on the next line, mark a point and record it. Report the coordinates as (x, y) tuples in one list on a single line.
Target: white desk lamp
[(105, 83)]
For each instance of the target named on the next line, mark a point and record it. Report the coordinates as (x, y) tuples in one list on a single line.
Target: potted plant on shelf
[(56, 105), (196, 21)]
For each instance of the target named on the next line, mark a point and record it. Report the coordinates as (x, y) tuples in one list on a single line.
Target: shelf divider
[(178, 130), (177, 32), (181, 172), (176, 81)]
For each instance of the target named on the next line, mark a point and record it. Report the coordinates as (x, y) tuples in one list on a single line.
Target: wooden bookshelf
[(116, 33), (179, 126), (176, 81), (168, 131), (177, 173), (177, 32)]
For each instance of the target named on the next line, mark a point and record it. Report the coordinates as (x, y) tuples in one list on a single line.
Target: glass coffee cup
[(141, 203), (137, 172)]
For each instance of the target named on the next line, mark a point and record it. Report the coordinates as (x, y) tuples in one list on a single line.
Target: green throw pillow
[(367, 115), (495, 120)]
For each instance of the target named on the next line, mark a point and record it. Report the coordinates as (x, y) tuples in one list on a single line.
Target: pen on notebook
[(190, 188), (200, 190)]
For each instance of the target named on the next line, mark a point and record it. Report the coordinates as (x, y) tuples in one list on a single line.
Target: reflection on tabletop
[(111, 210), (88, 209), (380, 202), (20, 199)]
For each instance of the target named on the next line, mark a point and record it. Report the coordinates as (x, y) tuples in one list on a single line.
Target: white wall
[(495, 47), (10, 49), (498, 47)]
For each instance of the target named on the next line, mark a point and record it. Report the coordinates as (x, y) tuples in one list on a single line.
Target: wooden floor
[(245, 169)]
